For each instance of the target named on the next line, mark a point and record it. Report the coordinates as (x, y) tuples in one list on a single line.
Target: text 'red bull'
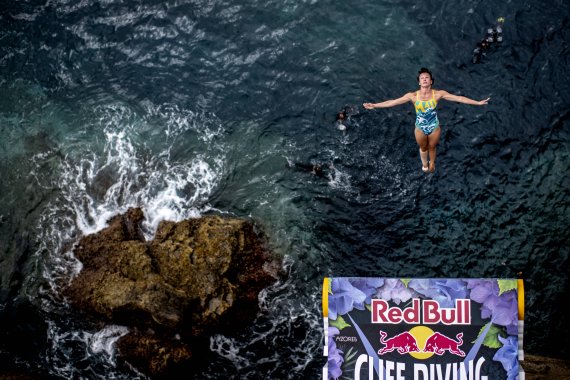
[(430, 313)]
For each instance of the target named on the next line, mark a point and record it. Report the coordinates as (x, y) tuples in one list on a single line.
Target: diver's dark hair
[(425, 70)]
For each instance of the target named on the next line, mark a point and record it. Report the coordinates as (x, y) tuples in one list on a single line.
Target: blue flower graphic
[(508, 356), (335, 358), (348, 294), (503, 309), (445, 292), (395, 290)]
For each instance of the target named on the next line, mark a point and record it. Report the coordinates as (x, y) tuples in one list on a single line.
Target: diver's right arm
[(389, 103)]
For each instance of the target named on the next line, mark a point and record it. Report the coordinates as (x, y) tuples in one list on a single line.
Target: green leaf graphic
[(491, 339), (506, 285), (405, 281), (350, 354), (339, 323), (349, 363)]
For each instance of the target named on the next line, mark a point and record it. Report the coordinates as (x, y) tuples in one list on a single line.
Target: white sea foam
[(164, 189), (339, 179), (65, 341), (103, 341)]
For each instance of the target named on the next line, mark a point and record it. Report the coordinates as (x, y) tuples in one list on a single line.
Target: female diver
[(425, 101)]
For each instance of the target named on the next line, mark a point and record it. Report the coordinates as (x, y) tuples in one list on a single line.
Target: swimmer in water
[(425, 101), (340, 119), (343, 117)]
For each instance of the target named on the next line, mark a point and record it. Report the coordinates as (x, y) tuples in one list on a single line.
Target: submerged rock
[(196, 277)]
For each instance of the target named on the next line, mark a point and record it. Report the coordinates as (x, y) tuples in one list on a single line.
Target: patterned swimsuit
[(426, 117)]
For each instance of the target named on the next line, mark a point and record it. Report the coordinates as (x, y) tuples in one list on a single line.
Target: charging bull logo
[(403, 343), (439, 343), (431, 343)]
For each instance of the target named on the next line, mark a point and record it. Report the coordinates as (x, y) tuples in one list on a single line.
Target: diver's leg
[(422, 141), (433, 139)]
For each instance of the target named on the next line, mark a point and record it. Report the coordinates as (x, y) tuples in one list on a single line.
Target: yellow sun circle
[(421, 333)]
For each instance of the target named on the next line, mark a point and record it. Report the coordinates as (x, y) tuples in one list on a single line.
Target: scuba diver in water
[(494, 37), (427, 129)]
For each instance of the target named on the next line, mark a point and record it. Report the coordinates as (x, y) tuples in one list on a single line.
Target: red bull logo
[(434, 343)]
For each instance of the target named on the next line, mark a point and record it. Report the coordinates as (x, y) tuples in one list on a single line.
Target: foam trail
[(164, 190)]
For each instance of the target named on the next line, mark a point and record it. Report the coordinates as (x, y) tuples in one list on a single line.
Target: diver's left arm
[(461, 99)]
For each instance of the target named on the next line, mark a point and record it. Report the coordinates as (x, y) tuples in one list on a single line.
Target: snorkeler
[(494, 37), (425, 101)]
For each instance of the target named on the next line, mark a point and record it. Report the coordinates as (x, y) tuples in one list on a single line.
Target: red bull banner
[(423, 329)]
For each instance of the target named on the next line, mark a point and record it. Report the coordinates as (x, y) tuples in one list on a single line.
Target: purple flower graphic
[(502, 309), (348, 294), (395, 290), (443, 291), (508, 356), (335, 358), (368, 286)]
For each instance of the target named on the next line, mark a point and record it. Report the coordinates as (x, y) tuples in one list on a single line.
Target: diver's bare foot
[(425, 169), (431, 167)]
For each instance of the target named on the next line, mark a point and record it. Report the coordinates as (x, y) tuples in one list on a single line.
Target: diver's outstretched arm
[(462, 99), (390, 103)]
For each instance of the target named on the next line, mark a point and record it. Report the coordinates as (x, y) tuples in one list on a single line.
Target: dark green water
[(186, 107)]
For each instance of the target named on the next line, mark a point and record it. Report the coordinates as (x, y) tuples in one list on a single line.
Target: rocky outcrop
[(196, 277), (544, 368)]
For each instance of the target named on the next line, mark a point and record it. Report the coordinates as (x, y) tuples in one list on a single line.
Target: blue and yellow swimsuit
[(426, 117)]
